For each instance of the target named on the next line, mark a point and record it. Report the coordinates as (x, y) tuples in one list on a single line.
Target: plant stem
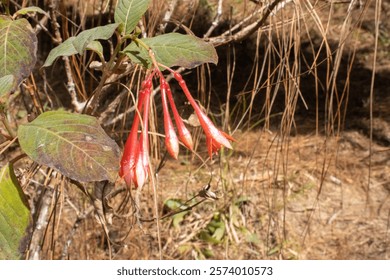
[(70, 86), (138, 41), (6, 124), (109, 68)]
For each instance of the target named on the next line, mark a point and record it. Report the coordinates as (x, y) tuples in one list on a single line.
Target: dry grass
[(301, 214), (304, 181)]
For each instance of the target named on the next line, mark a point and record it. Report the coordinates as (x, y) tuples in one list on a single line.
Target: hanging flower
[(215, 138), (171, 140), (135, 160)]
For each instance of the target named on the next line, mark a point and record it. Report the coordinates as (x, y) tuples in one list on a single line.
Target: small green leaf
[(98, 33), (18, 48), (14, 215), (129, 12), (96, 47), (214, 231), (217, 229), (66, 48), (6, 84), (31, 9), (81, 42), (173, 49), (73, 144), (208, 253), (183, 249), (176, 205), (252, 238), (178, 218), (219, 232)]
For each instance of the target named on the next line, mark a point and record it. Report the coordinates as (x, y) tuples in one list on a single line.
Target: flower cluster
[(135, 160)]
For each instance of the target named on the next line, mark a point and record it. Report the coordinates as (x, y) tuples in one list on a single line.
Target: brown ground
[(319, 208)]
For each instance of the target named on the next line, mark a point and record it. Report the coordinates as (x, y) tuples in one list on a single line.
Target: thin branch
[(35, 247), (378, 5), (70, 86), (167, 15), (248, 30), (216, 19), (80, 217), (204, 193), (7, 125)]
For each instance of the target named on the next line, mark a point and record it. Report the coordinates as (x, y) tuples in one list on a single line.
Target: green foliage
[(96, 47), (215, 230), (14, 214), (65, 49), (31, 9), (7, 83), (98, 33), (73, 144), (18, 48), (81, 42), (173, 49), (128, 13), (175, 205)]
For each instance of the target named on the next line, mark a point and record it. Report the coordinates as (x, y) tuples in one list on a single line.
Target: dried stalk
[(226, 38), (167, 15), (80, 217), (216, 20), (34, 252), (70, 86)]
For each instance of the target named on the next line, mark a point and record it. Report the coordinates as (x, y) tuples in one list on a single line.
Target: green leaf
[(252, 238), (173, 49), (96, 47), (98, 33), (208, 253), (14, 215), (66, 48), (73, 144), (219, 232), (214, 231), (217, 229), (6, 84), (81, 42), (18, 48), (31, 9), (128, 13), (175, 205)]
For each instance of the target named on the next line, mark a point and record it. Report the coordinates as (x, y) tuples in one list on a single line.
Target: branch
[(40, 226), (70, 86), (225, 38), (168, 15), (80, 218), (216, 19)]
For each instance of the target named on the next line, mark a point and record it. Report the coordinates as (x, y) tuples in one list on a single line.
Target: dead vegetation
[(309, 174)]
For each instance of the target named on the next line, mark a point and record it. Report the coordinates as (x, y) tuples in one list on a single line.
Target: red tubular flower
[(171, 140), (215, 138), (184, 134), (135, 159), (131, 147), (142, 165), (214, 146)]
